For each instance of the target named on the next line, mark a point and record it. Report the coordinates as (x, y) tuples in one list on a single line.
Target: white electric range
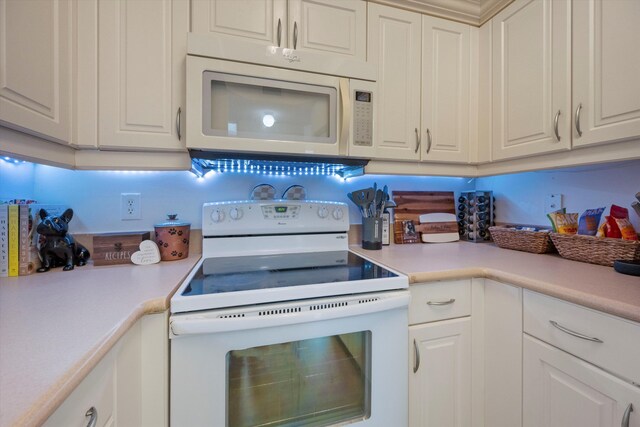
[(280, 324)]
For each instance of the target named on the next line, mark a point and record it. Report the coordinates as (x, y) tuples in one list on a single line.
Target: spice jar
[(172, 237)]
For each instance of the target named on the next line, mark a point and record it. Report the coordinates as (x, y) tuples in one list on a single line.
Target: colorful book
[(26, 225), (4, 240), (14, 240)]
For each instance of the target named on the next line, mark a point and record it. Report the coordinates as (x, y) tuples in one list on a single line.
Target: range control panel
[(363, 118), (240, 218)]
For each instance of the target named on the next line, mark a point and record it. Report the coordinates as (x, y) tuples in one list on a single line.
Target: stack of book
[(19, 241)]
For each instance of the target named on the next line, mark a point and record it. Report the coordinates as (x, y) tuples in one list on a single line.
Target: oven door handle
[(206, 323)]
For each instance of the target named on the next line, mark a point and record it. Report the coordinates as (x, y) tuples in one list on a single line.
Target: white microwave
[(248, 108)]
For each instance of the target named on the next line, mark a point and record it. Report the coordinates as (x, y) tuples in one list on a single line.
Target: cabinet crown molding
[(473, 12)]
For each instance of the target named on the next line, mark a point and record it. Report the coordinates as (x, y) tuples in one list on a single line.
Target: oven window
[(314, 382)]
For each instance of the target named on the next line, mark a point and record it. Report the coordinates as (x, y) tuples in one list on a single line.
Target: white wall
[(16, 180), (520, 198), (95, 195)]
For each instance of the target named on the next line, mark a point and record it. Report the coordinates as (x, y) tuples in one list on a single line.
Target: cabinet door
[(562, 390), (394, 46), (445, 90), (329, 26), (259, 20), (531, 78), (142, 51), (606, 66), (440, 374), (35, 67)]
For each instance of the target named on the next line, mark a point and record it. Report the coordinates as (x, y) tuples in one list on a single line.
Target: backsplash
[(95, 195), (520, 198)]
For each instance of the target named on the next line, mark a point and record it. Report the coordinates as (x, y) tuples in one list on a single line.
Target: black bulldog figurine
[(59, 247)]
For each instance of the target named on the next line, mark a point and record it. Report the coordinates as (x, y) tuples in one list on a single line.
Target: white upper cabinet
[(141, 55), (328, 26), (445, 90), (261, 20), (606, 71), (394, 46), (531, 78), (35, 67)]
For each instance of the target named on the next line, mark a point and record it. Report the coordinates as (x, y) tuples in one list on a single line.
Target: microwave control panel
[(363, 119)]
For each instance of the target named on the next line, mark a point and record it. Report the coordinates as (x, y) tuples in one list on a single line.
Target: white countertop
[(56, 326), (595, 286)]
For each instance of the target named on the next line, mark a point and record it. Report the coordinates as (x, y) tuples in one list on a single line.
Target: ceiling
[(474, 12)]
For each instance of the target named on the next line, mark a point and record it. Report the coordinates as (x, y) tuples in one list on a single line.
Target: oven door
[(321, 362)]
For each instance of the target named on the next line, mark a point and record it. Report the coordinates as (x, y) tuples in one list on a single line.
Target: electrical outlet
[(129, 206), (552, 202)]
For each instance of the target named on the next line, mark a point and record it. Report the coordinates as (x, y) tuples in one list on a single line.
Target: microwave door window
[(271, 110)]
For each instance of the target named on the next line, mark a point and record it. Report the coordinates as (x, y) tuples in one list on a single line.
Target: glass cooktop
[(246, 273)]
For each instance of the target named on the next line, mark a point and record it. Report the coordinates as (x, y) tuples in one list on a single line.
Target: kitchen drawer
[(439, 301), (619, 351)]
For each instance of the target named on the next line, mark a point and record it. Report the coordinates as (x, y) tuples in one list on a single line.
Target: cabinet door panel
[(142, 50), (253, 19), (564, 391), (331, 26), (531, 78), (35, 68), (440, 390), (445, 90), (394, 45), (606, 64)]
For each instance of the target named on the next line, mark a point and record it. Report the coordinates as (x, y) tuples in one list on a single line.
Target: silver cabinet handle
[(428, 140), (451, 301), (555, 125), (93, 413), (178, 122), (295, 35), (626, 416), (418, 141), (577, 119), (573, 333), (279, 36), (416, 358)]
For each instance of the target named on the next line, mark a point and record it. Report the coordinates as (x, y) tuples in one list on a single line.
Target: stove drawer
[(439, 301)]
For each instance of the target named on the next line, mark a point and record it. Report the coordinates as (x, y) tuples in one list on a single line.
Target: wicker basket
[(537, 242), (596, 250)]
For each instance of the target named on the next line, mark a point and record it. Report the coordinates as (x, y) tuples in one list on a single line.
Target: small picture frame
[(405, 232)]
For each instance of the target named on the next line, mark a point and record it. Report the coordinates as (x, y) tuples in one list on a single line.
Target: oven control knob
[(217, 215), (323, 212), (338, 214), (235, 213)]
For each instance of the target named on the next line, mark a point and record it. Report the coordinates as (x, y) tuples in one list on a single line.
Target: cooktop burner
[(246, 273)]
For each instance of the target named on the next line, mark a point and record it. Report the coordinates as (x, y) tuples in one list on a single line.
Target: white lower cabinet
[(128, 387), (440, 349), (564, 391), (440, 377)]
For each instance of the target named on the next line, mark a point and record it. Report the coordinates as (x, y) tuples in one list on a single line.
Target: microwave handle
[(204, 324), (346, 110)]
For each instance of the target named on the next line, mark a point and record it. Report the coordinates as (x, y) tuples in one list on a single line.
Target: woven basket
[(596, 250), (537, 242)]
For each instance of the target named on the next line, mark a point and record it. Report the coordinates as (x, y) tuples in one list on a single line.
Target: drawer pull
[(575, 334), (451, 301), (93, 413), (627, 415), (416, 358)]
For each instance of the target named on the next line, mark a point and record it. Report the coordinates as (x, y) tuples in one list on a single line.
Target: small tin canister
[(172, 237)]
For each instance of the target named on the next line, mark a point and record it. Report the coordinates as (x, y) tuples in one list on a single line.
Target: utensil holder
[(372, 233)]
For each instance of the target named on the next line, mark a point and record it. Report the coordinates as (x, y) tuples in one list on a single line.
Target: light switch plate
[(552, 202)]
